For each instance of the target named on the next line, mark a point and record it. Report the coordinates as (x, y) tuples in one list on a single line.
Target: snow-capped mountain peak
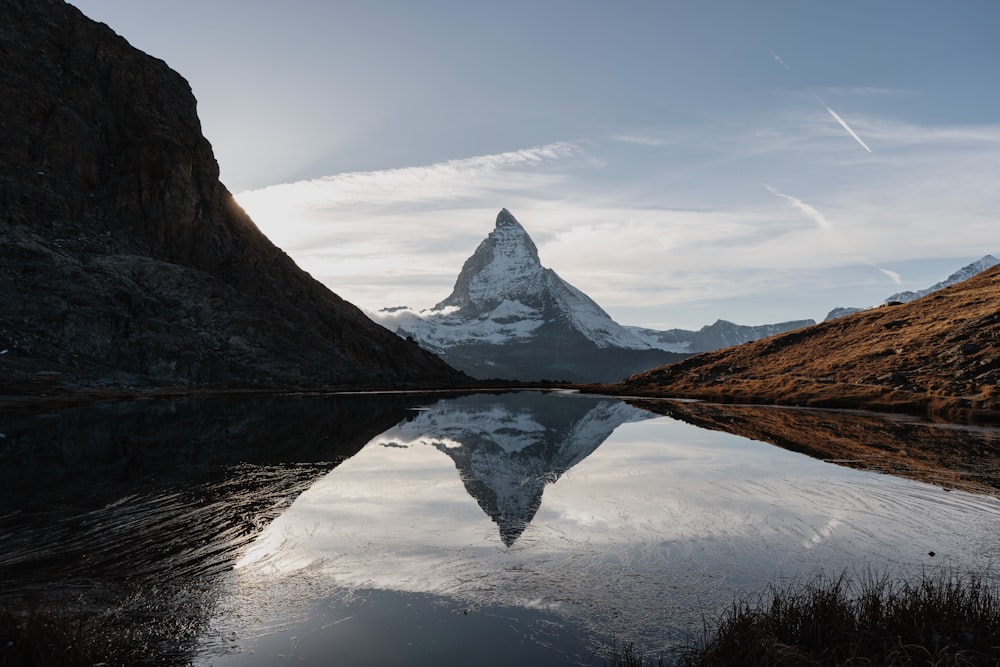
[(504, 295), (505, 266), (508, 316)]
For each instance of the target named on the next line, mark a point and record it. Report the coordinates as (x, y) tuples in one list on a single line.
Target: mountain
[(507, 450), (510, 317), (964, 273), (713, 336), (935, 355), (840, 311), (124, 261)]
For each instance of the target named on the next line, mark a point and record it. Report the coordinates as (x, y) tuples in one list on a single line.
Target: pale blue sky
[(678, 161)]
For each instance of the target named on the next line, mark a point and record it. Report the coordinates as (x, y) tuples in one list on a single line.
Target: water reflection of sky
[(658, 525)]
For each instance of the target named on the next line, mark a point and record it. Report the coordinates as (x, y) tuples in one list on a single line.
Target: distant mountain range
[(966, 272), (713, 336), (934, 355), (510, 317)]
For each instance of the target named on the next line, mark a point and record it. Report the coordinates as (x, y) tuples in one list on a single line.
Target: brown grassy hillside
[(938, 355), (947, 455)]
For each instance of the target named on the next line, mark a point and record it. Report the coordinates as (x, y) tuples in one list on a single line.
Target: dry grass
[(939, 355), (944, 619)]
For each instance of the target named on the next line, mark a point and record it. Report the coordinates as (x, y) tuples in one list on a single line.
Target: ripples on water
[(289, 529)]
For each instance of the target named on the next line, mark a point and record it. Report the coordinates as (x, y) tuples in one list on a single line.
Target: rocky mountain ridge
[(719, 334), (510, 317), (123, 260), (935, 355), (966, 272)]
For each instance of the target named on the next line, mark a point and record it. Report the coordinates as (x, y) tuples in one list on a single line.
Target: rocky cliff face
[(123, 259)]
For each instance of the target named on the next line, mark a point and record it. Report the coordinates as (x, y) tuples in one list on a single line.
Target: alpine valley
[(509, 317)]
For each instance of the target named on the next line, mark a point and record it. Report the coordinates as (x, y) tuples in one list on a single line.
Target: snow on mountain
[(507, 451), (508, 316), (966, 272), (713, 336), (503, 295)]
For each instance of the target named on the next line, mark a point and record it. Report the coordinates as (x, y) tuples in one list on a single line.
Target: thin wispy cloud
[(640, 140), (868, 91), (893, 276), (809, 210), (449, 180), (843, 123)]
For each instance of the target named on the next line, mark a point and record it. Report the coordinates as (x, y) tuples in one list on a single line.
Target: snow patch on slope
[(503, 295)]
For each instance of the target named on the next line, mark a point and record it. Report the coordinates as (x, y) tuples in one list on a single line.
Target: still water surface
[(489, 528)]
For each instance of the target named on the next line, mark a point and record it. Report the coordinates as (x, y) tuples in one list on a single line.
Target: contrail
[(843, 123), (836, 116), (811, 211), (779, 60)]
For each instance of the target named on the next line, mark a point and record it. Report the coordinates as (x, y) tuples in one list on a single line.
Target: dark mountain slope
[(123, 259), (939, 354)]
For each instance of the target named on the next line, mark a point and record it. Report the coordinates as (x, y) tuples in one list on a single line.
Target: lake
[(490, 528)]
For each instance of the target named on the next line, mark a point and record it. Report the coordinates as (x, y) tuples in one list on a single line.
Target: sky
[(680, 161)]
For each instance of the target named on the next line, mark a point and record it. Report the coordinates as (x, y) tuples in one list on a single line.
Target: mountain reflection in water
[(953, 456), (520, 521), (507, 449), (642, 536)]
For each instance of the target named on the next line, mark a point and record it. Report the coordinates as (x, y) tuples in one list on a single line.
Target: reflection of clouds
[(671, 518), (823, 534)]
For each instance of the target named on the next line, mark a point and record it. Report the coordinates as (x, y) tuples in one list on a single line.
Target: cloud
[(450, 180), (677, 242), (642, 141), (893, 276), (811, 211), (869, 91)]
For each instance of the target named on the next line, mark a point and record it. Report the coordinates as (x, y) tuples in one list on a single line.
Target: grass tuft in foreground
[(942, 619)]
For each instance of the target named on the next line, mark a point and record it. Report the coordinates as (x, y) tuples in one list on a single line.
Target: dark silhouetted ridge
[(124, 260)]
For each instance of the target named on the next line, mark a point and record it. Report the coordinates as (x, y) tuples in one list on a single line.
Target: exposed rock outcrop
[(124, 260)]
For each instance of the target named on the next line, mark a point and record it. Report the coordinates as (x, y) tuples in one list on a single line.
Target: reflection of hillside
[(506, 450), (966, 458), (160, 497)]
